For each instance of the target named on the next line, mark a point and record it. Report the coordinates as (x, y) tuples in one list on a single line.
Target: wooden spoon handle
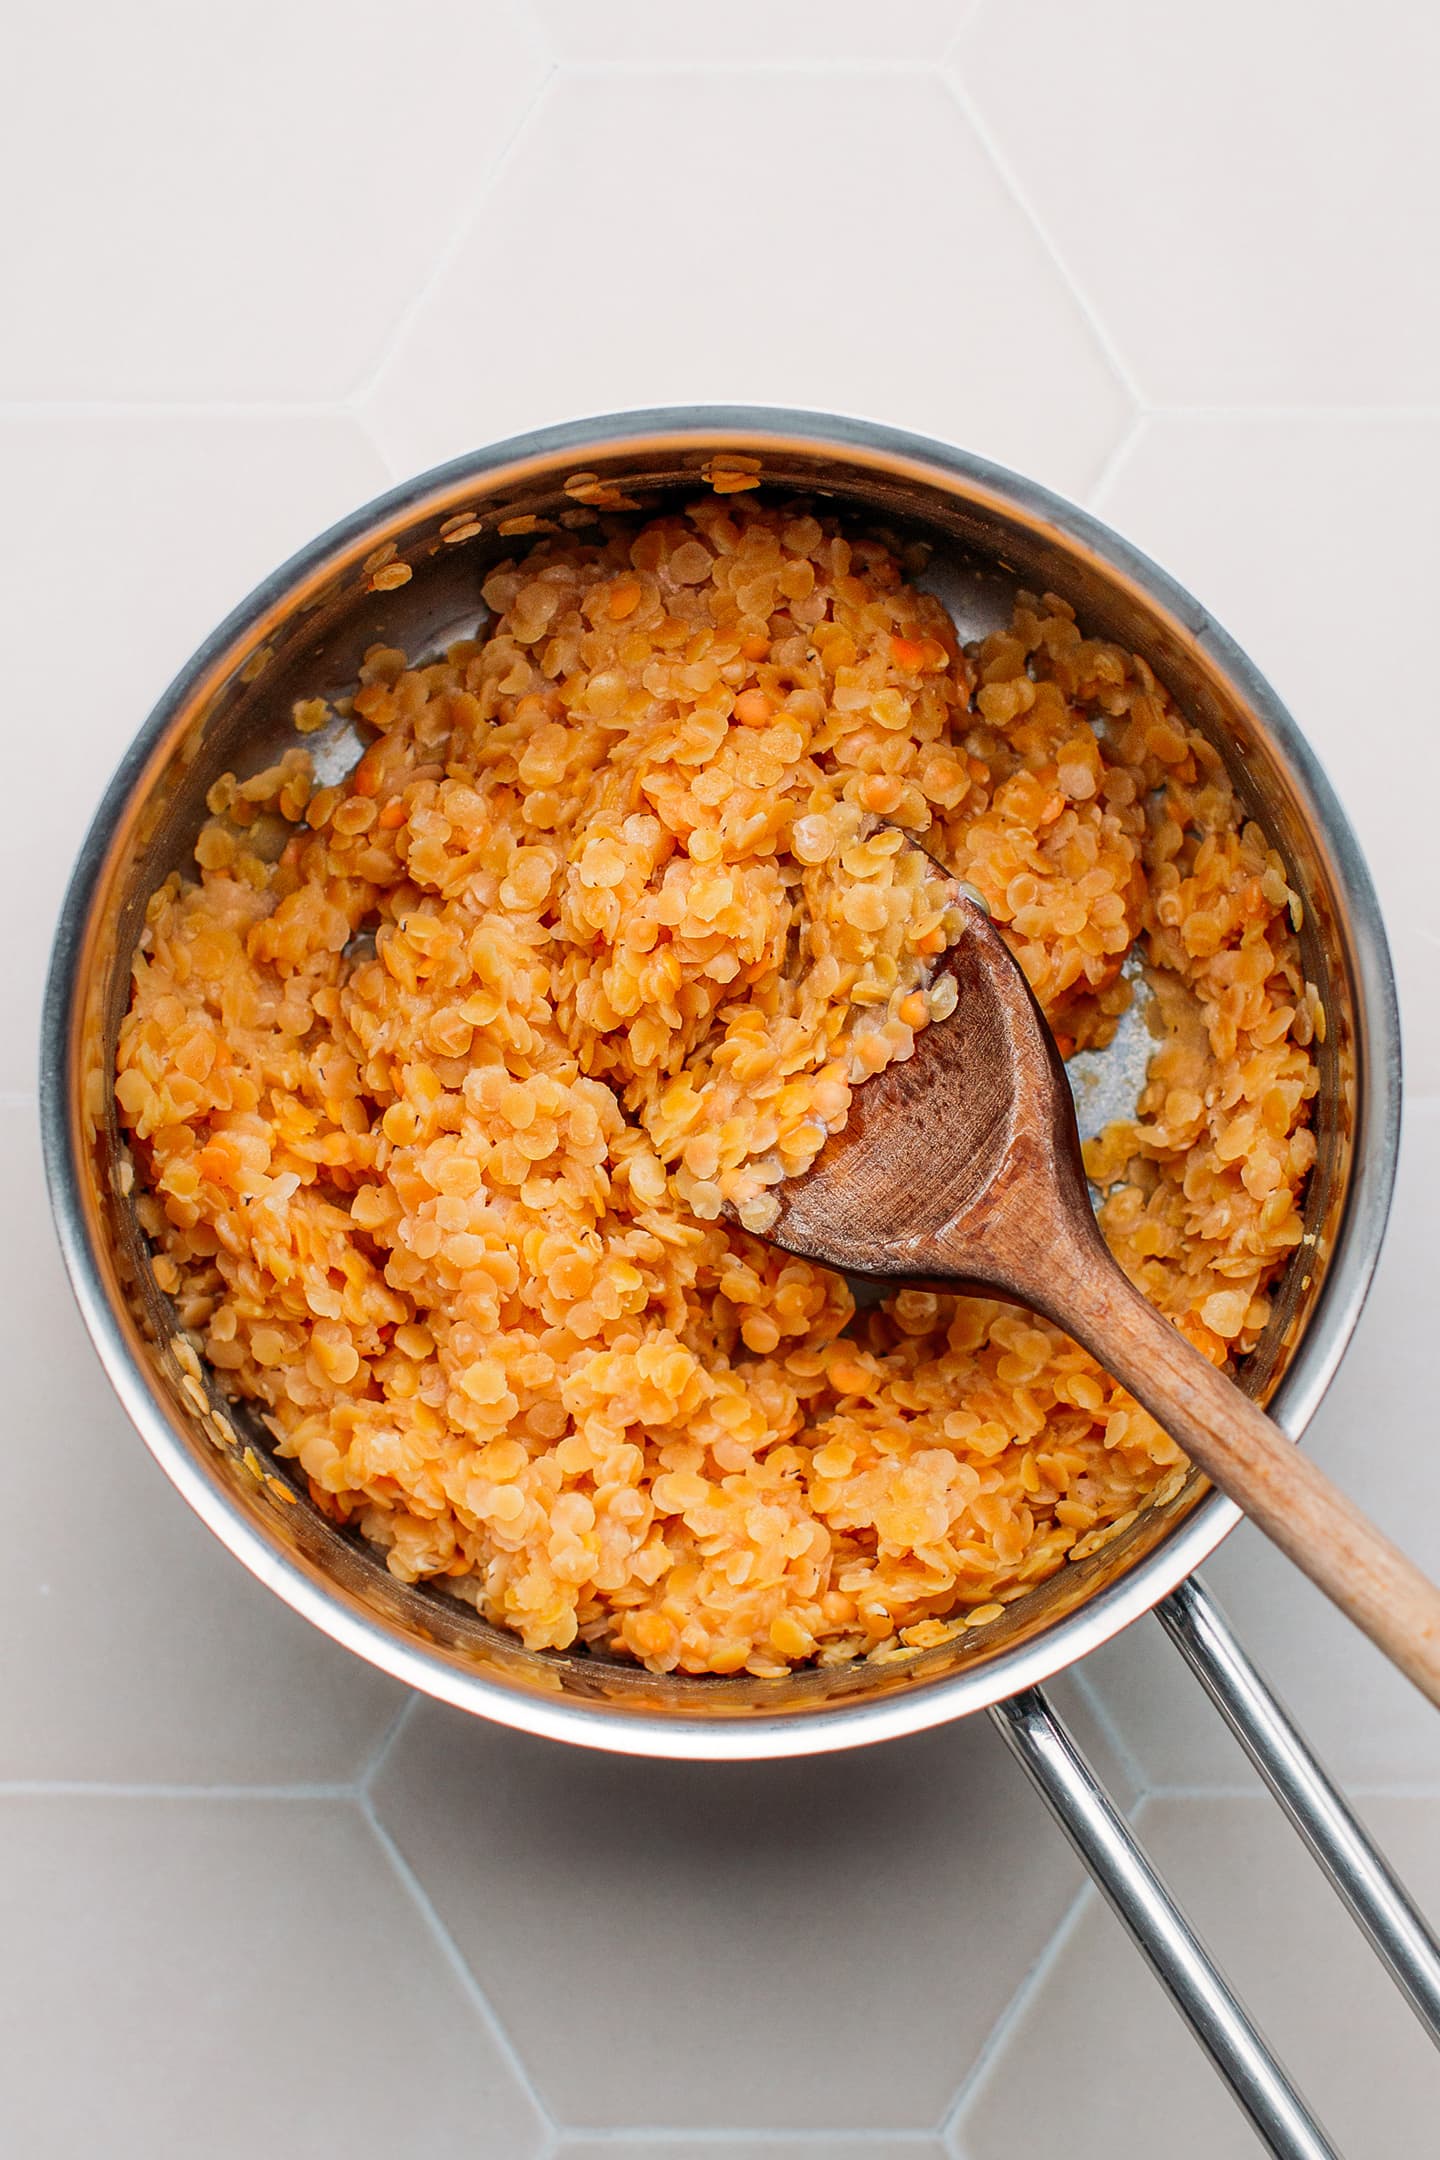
[(1245, 1453)]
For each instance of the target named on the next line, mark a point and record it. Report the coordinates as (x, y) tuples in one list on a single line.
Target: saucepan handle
[(1128, 1879), (1285, 1760)]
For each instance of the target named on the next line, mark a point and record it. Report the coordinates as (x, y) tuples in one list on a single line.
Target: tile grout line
[(1120, 1742), (1355, 1790), (730, 70), (361, 417), (631, 2136), (380, 1753), (459, 1965), (140, 1789), (355, 398), (173, 408), (1119, 459), (952, 78), (1014, 2010), (1248, 409), (967, 14)]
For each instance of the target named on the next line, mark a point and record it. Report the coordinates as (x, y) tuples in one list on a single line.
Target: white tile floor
[(1173, 261)]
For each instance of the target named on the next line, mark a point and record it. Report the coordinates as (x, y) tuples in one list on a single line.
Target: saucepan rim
[(858, 1720)]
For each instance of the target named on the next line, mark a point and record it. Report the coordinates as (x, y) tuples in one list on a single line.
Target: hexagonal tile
[(1245, 198), (829, 241), (126, 538), (235, 215), (1374, 1433), (1311, 538), (1098, 2064), (147, 1655), (233, 1977), (748, 33), (852, 1925)]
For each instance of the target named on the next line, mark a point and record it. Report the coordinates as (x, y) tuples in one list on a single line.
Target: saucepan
[(407, 571)]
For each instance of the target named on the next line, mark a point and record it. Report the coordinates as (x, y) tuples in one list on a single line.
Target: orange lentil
[(365, 780), (882, 793)]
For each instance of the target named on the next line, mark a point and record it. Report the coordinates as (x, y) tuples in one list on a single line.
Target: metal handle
[(1127, 1877), (1309, 1796)]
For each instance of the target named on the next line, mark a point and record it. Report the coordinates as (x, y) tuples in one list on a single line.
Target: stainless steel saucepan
[(407, 570)]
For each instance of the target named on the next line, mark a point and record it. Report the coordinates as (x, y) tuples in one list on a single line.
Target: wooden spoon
[(961, 1168)]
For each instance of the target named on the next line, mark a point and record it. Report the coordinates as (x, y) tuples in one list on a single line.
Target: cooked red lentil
[(440, 1078)]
